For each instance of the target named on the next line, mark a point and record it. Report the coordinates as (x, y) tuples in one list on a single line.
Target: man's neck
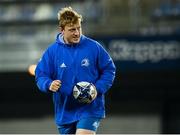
[(65, 41)]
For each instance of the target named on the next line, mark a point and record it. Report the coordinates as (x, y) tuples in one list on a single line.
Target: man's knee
[(84, 131)]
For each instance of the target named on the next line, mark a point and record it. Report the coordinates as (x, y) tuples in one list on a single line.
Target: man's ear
[(61, 29)]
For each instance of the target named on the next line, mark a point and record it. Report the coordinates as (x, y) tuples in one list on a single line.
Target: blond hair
[(68, 16)]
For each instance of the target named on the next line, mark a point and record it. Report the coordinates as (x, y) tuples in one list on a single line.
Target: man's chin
[(76, 41)]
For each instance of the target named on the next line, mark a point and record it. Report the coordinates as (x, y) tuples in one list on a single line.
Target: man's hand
[(55, 85)]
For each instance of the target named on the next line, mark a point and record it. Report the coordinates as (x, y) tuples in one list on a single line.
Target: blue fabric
[(67, 128), (85, 61), (91, 123)]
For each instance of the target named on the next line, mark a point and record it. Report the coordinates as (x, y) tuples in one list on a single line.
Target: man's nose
[(76, 31)]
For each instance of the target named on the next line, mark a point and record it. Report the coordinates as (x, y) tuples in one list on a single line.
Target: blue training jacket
[(85, 61)]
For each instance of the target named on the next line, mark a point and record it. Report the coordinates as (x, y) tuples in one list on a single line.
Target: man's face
[(72, 33)]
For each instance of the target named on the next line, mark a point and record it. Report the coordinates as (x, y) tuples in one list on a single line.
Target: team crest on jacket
[(85, 62)]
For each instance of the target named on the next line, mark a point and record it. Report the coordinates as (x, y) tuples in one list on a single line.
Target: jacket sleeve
[(106, 69), (43, 72)]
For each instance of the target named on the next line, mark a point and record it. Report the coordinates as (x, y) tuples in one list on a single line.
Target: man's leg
[(67, 128), (87, 125), (84, 131)]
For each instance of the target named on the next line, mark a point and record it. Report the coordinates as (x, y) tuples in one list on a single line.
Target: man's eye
[(72, 30)]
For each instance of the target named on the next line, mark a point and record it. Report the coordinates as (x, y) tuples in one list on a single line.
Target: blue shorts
[(91, 123)]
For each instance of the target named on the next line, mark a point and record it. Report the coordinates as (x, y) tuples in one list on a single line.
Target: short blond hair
[(68, 16)]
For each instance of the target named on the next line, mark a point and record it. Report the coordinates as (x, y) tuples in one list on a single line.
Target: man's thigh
[(67, 128), (88, 125)]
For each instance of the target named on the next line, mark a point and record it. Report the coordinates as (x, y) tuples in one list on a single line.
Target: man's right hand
[(55, 85)]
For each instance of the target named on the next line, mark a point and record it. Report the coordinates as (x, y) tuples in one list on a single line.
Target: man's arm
[(43, 72), (107, 71)]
